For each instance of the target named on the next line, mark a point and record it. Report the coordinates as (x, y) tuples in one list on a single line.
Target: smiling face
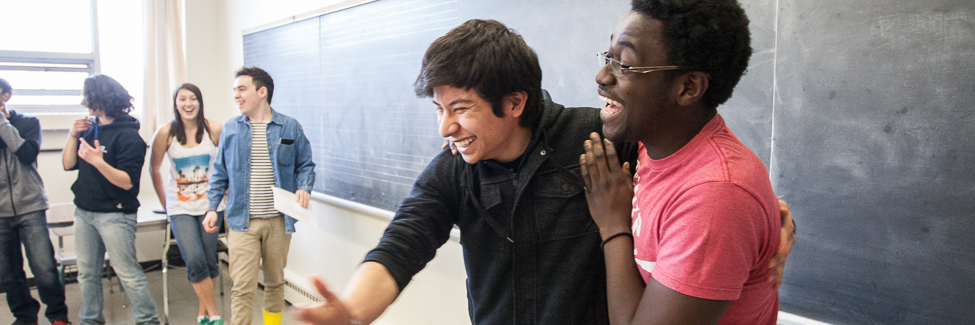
[(249, 99), (187, 105), (637, 104), (468, 121)]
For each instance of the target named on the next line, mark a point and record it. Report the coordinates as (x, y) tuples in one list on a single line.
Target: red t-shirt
[(706, 224)]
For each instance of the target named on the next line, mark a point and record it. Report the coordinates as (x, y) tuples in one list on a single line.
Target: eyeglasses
[(617, 67)]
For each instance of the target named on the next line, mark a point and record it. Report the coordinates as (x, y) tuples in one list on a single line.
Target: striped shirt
[(262, 175)]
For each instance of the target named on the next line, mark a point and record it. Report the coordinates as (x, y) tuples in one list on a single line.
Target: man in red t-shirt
[(705, 223)]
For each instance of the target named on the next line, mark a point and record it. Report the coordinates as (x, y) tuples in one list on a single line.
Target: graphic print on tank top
[(191, 177)]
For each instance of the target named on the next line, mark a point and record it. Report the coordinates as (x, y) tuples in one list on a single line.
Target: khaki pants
[(265, 244)]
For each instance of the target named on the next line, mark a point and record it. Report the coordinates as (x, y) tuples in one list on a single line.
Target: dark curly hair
[(176, 127), (709, 35), (490, 58), (102, 93), (260, 78)]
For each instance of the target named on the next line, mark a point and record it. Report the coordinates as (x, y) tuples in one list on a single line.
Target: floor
[(183, 306)]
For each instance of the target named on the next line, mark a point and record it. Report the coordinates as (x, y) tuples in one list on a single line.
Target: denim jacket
[(531, 249), (291, 158)]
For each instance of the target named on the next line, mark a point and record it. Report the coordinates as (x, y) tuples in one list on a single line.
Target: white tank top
[(189, 177)]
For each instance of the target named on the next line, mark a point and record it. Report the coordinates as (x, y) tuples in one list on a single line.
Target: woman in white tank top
[(190, 140)]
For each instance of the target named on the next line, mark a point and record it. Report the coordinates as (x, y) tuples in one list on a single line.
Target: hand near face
[(609, 186), (80, 125), (90, 154), (331, 311), (3, 109)]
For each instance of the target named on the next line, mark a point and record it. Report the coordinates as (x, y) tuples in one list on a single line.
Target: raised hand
[(609, 186)]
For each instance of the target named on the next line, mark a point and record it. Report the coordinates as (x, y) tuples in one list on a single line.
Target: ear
[(691, 87), (262, 92), (514, 103)]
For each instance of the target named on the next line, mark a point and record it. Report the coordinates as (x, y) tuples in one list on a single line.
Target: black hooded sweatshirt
[(123, 149)]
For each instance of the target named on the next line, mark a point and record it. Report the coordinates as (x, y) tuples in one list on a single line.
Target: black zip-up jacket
[(21, 188), (123, 149), (531, 249)]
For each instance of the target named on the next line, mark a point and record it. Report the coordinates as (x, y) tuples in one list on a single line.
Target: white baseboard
[(791, 319)]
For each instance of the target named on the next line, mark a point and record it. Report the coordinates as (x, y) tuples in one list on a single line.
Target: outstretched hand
[(329, 312), (609, 186), (785, 246)]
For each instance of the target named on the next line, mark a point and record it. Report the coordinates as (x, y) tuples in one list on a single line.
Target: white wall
[(214, 48)]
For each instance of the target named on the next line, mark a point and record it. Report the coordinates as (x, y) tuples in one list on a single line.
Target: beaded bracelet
[(624, 233)]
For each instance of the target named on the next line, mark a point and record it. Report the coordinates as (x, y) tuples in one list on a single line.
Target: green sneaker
[(216, 320), (203, 320)]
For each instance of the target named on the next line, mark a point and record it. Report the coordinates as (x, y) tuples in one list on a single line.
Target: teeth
[(464, 143), (610, 101)]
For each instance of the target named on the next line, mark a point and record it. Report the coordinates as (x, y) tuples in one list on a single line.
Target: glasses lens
[(614, 66)]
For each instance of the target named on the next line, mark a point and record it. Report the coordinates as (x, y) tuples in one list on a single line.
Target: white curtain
[(165, 65)]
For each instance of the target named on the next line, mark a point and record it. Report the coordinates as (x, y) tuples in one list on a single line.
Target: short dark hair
[(490, 58), (710, 36), (260, 78), (5, 87), (105, 94)]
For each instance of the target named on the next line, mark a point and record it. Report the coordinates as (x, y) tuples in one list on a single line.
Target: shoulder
[(162, 134), (23, 121)]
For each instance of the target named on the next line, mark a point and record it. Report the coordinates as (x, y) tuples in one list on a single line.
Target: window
[(49, 47)]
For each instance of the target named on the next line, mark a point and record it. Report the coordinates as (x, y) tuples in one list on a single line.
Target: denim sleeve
[(218, 181), (422, 224), (304, 166)]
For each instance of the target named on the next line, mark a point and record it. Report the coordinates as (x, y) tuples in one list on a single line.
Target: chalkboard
[(860, 109)]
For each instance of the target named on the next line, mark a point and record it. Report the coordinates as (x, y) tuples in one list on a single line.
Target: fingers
[(584, 170), (302, 197), (611, 160), (598, 152), (323, 290)]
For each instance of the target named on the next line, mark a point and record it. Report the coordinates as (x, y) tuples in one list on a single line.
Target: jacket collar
[(275, 118)]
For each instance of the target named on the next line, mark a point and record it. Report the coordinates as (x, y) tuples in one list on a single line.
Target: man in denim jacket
[(258, 149)]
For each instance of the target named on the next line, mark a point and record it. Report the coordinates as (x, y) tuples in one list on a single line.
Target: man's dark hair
[(105, 94), (710, 36), (5, 87), (490, 58), (260, 78)]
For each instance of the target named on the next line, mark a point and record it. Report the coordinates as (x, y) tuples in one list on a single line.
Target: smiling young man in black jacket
[(23, 220)]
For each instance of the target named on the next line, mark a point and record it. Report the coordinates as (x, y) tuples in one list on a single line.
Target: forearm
[(624, 285), (69, 155), (159, 186), (369, 292), (9, 135), (114, 175)]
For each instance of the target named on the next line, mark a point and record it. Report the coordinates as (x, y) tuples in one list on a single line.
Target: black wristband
[(624, 233)]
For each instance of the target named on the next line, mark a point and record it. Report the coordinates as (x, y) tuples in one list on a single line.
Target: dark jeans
[(31, 230)]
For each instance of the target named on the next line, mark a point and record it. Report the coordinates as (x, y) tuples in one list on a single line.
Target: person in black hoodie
[(23, 220), (111, 156)]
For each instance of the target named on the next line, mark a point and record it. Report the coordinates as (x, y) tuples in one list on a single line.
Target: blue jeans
[(96, 232), (197, 247), (31, 230)]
